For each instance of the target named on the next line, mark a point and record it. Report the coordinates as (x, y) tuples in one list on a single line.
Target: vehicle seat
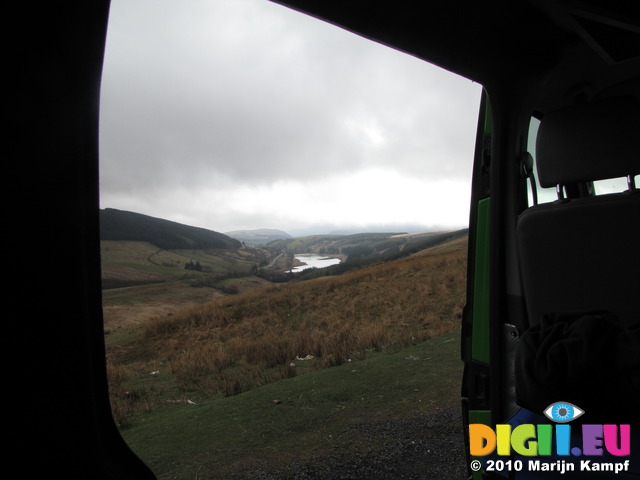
[(580, 263), (583, 254)]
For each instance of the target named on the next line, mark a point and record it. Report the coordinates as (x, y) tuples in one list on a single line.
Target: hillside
[(303, 366), (355, 251), (365, 245), (140, 250), (232, 344), (129, 226), (258, 236)]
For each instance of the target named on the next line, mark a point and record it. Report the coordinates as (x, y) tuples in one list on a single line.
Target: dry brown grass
[(236, 343)]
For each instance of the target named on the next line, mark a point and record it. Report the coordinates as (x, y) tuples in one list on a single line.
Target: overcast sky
[(243, 114)]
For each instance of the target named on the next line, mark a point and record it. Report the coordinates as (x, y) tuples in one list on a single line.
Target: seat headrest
[(588, 142)]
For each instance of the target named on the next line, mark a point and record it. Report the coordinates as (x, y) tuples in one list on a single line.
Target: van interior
[(552, 297)]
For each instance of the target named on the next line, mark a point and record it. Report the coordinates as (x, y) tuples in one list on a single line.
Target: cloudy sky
[(242, 114)]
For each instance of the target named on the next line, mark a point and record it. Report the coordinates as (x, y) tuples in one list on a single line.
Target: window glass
[(612, 185), (545, 195)]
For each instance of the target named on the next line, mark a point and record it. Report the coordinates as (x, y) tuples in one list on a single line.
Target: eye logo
[(563, 412)]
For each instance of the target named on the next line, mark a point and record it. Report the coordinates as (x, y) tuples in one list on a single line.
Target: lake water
[(314, 261)]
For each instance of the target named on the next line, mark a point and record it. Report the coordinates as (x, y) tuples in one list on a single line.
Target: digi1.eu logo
[(548, 447), (548, 439)]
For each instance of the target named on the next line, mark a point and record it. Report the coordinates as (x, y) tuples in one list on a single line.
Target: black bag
[(586, 359)]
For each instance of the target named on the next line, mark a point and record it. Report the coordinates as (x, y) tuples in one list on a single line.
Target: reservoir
[(313, 261)]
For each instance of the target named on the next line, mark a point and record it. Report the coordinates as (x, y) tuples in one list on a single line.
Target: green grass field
[(300, 418)]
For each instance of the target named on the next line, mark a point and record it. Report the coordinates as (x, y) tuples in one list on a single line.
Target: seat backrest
[(580, 267), (583, 254)]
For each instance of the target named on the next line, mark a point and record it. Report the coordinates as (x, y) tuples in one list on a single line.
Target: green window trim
[(480, 326)]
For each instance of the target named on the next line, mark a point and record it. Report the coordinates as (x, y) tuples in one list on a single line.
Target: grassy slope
[(248, 431), (374, 243), (133, 263), (240, 342), (232, 436)]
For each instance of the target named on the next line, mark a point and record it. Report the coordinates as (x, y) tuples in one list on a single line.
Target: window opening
[(217, 361), (614, 185), (537, 194)]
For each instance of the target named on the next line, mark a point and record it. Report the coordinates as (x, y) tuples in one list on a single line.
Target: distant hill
[(123, 225), (258, 236), (378, 246), (356, 250)]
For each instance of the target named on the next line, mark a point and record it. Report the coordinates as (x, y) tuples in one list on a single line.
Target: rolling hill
[(258, 236), (141, 250), (365, 245), (165, 234), (355, 251)]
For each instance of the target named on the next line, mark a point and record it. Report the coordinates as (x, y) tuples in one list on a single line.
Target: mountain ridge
[(166, 234)]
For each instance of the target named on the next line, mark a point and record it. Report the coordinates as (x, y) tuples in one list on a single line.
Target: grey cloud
[(257, 103), (210, 94)]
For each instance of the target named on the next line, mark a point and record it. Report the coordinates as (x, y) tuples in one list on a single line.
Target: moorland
[(221, 365)]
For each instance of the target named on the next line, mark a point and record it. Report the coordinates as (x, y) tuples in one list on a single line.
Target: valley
[(201, 341)]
